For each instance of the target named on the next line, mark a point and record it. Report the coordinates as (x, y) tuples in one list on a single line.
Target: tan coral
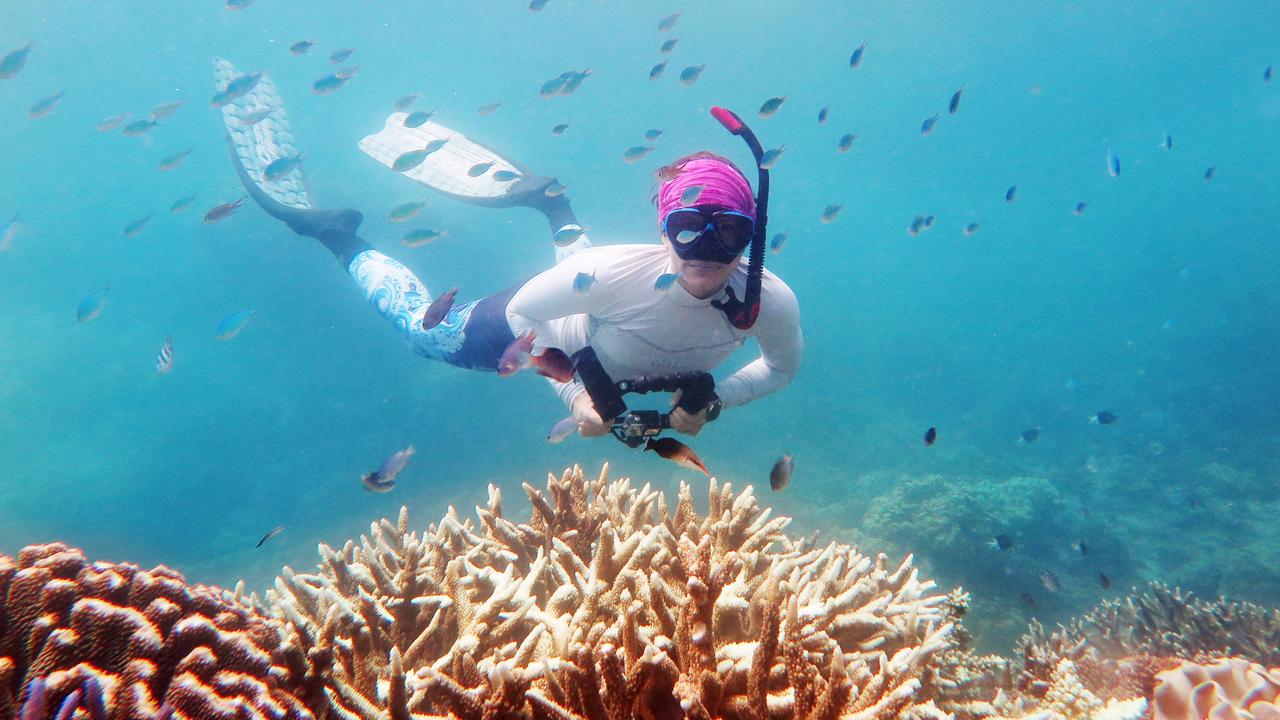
[(1225, 690), (607, 604), (113, 639)]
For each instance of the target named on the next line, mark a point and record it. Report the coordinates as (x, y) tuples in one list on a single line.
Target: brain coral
[(97, 640), (609, 604)]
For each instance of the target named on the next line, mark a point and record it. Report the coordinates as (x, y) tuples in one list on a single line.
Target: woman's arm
[(781, 350)]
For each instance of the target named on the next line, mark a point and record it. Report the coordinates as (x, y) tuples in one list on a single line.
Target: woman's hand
[(683, 422), (590, 424)]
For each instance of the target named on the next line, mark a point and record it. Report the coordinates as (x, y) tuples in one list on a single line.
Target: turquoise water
[(1157, 303)]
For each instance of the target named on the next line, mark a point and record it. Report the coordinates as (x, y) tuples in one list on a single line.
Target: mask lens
[(683, 226), (733, 229)]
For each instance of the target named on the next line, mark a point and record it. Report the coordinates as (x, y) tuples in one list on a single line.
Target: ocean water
[(1158, 303)]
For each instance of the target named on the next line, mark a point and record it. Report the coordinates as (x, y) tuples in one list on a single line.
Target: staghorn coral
[(92, 640), (1228, 689), (607, 605)]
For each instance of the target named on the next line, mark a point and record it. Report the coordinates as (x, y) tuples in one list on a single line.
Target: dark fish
[(657, 70), (823, 113), (407, 101), (505, 175), (573, 80), (1266, 74), (1049, 580), (552, 87), (479, 168), (778, 242), (678, 453), (384, 478), (44, 106), (1113, 163), (1031, 435), (1103, 417), (1011, 193), (340, 56), (330, 84), (1104, 581), (1208, 173), (164, 110), (668, 45), (90, 307), (489, 109), (406, 211), (930, 436), (926, 127), (1028, 600), (422, 236), (553, 363), (780, 475), (653, 134), (971, 229), (270, 534), (181, 204), (1000, 542), (559, 129), (917, 224), (138, 128), (1080, 207), (954, 105), (537, 5), (135, 228), (1167, 142), (690, 75), (568, 234), (668, 22), (928, 221), (636, 153), (231, 325), (846, 142), (856, 58), (830, 212), (12, 63), (241, 85), (223, 211), (438, 309), (169, 162), (1080, 547), (770, 107), (111, 123), (583, 282), (301, 47), (234, 5)]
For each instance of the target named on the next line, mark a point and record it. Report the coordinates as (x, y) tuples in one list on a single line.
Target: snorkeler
[(641, 310)]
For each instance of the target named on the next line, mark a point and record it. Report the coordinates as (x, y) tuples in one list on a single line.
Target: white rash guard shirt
[(637, 330)]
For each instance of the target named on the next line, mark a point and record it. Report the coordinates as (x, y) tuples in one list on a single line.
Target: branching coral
[(607, 605), (97, 640)]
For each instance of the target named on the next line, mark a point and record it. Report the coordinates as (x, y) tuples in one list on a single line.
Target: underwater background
[(1156, 303)]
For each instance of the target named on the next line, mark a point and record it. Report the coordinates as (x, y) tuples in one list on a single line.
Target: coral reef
[(1228, 689), (92, 640), (608, 604)]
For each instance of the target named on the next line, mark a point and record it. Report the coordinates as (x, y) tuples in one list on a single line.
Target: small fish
[(489, 109), (384, 478), (653, 134), (1167, 324), (582, 282), (407, 101), (1104, 581), (856, 58), (687, 236), (780, 473), (1011, 193), (553, 363), (1266, 74), (846, 142), (46, 105), (422, 236), (241, 85), (926, 127), (666, 281), (771, 106), (657, 70), (954, 105), (339, 56), (573, 80), (164, 359), (270, 534), (823, 113), (778, 242), (1091, 464), (678, 453), (517, 356), (135, 228), (555, 190), (505, 175), (668, 22), (552, 87), (164, 110), (917, 223), (254, 117), (479, 168), (406, 211), (1028, 600), (1113, 163), (1000, 542), (690, 195), (1080, 547), (930, 436), (1080, 208), (537, 5), (562, 430), (8, 232), (231, 325), (280, 167), (830, 213), (438, 309), (181, 204), (409, 160), (90, 307), (330, 84), (219, 100), (12, 63), (108, 124), (1208, 173), (927, 222), (1049, 580), (690, 75), (970, 229), (1103, 417), (1030, 435), (172, 161), (418, 118), (668, 45), (223, 211), (138, 128), (301, 47), (559, 129), (1166, 143), (636, 153), (771, 157), (234, 5)]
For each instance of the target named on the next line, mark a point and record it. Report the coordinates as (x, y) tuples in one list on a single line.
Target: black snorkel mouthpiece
[(742, 313)]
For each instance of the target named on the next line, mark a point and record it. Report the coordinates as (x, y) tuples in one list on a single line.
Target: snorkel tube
[(742, 313)]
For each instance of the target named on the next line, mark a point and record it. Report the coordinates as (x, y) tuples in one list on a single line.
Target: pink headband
[(721, 183)]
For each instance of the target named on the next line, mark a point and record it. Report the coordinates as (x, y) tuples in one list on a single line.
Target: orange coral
[(1231, 688), (116, 640)]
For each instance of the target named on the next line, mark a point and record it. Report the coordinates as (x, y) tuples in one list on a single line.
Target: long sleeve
[(781, 350)]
